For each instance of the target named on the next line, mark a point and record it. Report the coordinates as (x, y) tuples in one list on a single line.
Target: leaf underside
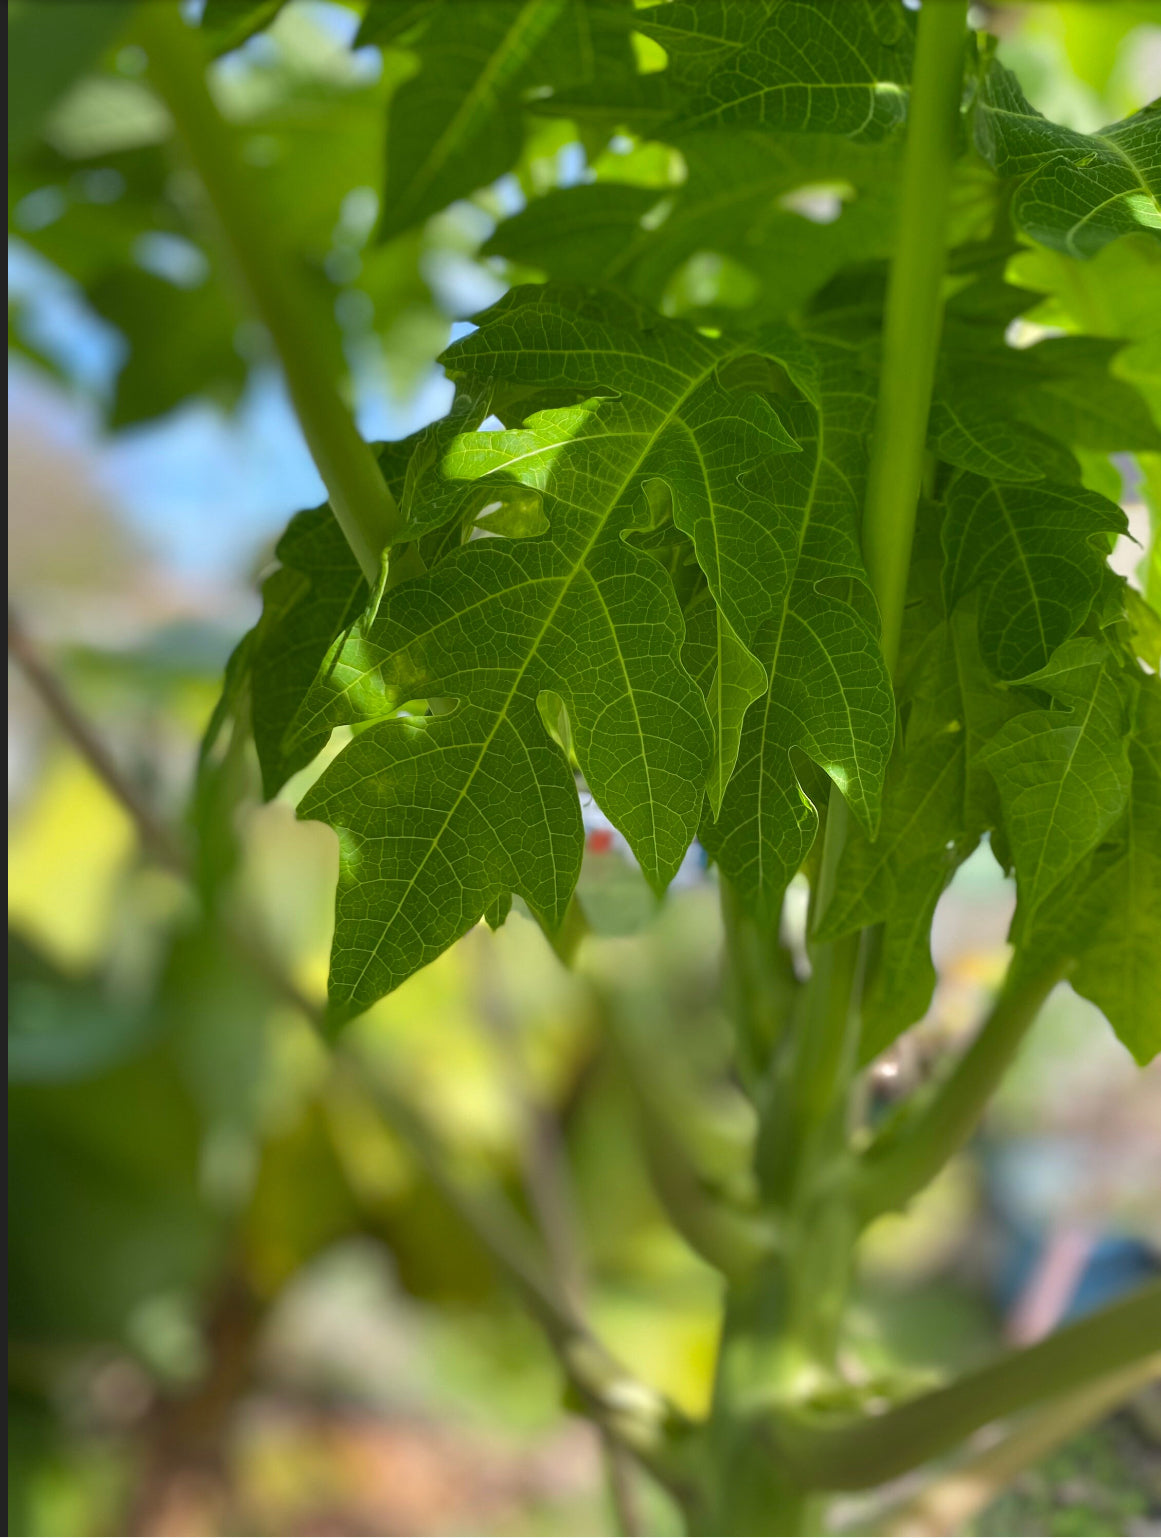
[(646, 585)]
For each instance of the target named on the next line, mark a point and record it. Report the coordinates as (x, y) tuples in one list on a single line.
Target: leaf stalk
[(872, 1449), (914, 313), (895, 1168), (359, 496)]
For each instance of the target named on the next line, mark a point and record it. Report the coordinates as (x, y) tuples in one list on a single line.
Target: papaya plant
[(769, 514)]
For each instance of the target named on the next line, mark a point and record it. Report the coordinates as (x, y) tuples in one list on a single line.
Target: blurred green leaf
[(49, 47)]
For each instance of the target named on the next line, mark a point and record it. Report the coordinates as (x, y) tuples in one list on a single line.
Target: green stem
[(914, 313), (359, 496), (895, 1169), (950, 1503), (761, 986), (826, 1057), (875, 1448)]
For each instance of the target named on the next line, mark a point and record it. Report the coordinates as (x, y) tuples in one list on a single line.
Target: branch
[(548, 1187), (874, 1449), (898, 1166), (628, 1412), (155, 836), (950, 1503), (359, 496)]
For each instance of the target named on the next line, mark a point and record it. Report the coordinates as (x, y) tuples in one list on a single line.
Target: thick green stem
[(914, 313), (894, 1171), (358, 494), (873, 1449)]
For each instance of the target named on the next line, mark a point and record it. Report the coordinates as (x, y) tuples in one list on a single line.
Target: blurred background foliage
[(237, 1302)]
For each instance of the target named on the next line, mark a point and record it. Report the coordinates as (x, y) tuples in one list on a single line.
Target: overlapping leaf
[(636, 447), (458, 124), (829, 696), (1078, 191), (317, 593), (1104, 917), (1034, 552), (819, 67), (733, 203), (799, 66), (1120, 969), (937, 802), (1062, 772), (579, 612), (973, 433)]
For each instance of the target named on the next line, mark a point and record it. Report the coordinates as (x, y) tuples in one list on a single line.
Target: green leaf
[(1063, 772), (317, 593), (1120, 969), (829, 695), (312, 601), (738, 201), (1078, 191), (579, 612), (1037, 555), (49, 46), (1145, 628), (972, 433), (229, 23), (804, 67), (459, 123), (180, 342), (730, 678), (937, 803), (1077, 399), (1105, 915)]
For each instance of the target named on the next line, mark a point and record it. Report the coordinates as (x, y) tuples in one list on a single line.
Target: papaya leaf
[(458, 124), (1063, 772), (805, 67), (1034, 552), (1104, 916), (314, 596), (1077, 191), (829, 696), (738, 200), (937, 804), (579, 612), (1120, 969), (230, 23)]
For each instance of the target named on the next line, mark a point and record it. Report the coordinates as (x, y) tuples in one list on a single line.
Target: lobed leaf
[(813, 66), (1035, 554), (829, 695), (1077, 191), (1062, 772), (1120, 967), (937, 803), (458, 124), (738, 200), (1104, 917)]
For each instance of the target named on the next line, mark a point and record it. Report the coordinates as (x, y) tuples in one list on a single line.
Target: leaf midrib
[(565, 585), (479, 93)]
